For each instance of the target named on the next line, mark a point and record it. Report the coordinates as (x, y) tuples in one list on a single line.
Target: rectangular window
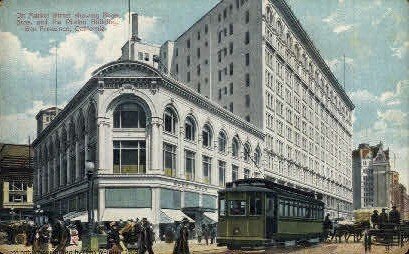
[(247, 38), (188, 60), (231, 68), (177, 68), (129, 157), (222, 173), (247, 100), (198, 70), (219, 56), (198, 88), (169, 159), (220, 93), (247, 59), (231, 48), (188, 43), (231, 88), (225, 90), (247, 18), (237, 207), (231, 29), (219, 36), (247, 77), (176, 52), (206, 28), (140, 56), (188, 76), (231, 107), (189, 165), (246, 173), (146, 57), (256, 204), (128, 197), (207, 169), (198, 52), (170, 199), (198, 35), (235, 173)]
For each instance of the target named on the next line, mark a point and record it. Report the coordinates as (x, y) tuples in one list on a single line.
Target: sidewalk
[(158, 248)]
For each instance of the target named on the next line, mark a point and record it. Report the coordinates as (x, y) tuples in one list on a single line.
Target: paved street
[(164, 248)]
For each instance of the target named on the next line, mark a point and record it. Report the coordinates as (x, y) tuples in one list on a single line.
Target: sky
[(372, 34)]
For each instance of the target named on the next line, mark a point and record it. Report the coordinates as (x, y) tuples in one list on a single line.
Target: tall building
[(16, 181), (373, 177), (254, 59), (242, 93)]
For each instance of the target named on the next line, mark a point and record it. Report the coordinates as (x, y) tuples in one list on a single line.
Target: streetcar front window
[(237, 207), (255, 204)]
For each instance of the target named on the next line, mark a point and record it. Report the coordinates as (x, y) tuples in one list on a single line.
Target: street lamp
[(90, 167)]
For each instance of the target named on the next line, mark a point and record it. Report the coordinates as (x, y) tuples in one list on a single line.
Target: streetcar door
[(271, 212)]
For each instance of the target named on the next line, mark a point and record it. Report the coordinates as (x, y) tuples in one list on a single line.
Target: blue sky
[(373, 35)]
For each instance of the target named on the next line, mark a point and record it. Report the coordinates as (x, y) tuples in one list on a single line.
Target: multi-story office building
[(16, 181), (254, 59), (372, 177)]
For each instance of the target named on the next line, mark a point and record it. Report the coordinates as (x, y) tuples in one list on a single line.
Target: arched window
[(246, 151), (129, 115), (72, 159), (222, 141), (170, 120), (190, 128), (235, 147), (257, 156), (63, 147), (206, 136)]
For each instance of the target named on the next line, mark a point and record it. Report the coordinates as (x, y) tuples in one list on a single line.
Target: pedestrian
[(182, 243), (146, 238), (113, 238), (199, 234), (383, 219), (375, 219), (213, 234), (394, 216), (60, 234), (205, 233), (327, 224)]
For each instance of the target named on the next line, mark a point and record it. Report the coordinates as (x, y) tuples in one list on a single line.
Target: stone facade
[(186, 147)]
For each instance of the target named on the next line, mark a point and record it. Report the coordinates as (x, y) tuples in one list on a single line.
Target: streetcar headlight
[(236, 231)]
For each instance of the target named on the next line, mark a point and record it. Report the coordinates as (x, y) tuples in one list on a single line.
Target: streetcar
[(256, 213)]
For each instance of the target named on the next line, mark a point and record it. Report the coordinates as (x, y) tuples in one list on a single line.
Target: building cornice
[(299, 31)]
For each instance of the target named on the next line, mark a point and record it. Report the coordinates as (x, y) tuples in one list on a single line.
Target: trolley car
[(257, 213)]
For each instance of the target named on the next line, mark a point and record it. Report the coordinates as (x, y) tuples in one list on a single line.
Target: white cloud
[(337, 21), (401, 50), (400, 95), (342, 28), (362, 96), (393, 116)]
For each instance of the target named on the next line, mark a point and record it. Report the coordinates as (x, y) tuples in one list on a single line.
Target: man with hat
[(145, 238), (113, 238), (383, 218), (394, 216), (182, 243), (375, 218)]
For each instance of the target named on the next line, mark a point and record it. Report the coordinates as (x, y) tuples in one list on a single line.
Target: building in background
[(375, 184), (16, 181), (400, 197), (45, 116)]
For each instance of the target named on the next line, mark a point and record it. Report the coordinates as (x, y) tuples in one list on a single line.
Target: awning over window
[(116, 214), (170, 216), (81, 216), (213, 216)]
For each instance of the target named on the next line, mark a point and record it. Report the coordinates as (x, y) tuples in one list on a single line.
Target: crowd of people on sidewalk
[(57, 234)]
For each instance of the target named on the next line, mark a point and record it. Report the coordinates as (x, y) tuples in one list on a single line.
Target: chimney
[(135, 36)]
